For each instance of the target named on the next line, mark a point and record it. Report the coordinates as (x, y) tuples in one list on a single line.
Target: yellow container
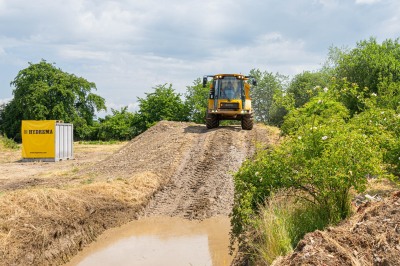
[(47, 140)]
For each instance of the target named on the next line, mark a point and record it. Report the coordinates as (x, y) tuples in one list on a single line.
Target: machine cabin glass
[(229, 88)]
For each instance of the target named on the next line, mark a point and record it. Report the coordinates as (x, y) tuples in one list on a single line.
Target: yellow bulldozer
[(229, 99)]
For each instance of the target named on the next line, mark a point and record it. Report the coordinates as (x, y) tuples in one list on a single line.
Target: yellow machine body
[(229, 99)]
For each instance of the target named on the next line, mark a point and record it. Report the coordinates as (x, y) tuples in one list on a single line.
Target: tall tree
[(162, 104), (44, 92), (196, 99), (375, 68), (303, 85), (268, 85)]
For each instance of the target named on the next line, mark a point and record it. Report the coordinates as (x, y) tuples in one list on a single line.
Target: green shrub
[(324, 156), (383, 125), (9, 143)]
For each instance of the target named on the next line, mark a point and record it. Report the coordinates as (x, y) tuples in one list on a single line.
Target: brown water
[(161, 241)]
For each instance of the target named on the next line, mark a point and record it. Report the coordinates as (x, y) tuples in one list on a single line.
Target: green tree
[(162, 104), (118, 126), (303, 86), (10, 121), (263, 103), (43, 91), (375, 68), (196, 99)]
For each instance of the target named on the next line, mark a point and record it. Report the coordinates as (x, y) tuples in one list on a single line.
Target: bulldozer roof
[(220, 76)]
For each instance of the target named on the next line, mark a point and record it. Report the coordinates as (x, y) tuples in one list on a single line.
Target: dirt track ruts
[(203, 185), (175, 169), (195, 164)]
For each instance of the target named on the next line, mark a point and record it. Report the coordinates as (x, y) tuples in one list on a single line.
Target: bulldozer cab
[(229, 88)]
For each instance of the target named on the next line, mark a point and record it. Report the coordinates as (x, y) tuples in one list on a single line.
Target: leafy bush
[(118, 126), (324, 156), (8, 143), (323, 166), (196, 100), (382, 125), (162, 104)]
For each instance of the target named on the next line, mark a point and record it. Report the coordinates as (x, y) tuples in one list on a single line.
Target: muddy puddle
[(161, 241)]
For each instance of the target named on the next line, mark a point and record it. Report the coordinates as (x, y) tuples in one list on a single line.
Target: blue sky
[(127, 47)]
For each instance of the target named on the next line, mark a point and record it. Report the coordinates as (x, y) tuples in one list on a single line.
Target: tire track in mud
[(174, 168), (203, 184)]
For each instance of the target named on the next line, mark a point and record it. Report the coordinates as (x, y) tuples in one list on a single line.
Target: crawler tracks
[(202, 185)]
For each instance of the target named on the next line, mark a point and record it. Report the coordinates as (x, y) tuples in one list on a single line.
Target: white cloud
[(271, 52), (390, 26), (328, 3), (367, 1), (2, 101), (128, 47), (70, 52)]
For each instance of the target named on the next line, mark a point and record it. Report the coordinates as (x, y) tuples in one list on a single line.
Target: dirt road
[(174, 169), (202, 184), (195, 166)]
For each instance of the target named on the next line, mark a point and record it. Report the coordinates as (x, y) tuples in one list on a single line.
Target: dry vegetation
[(370, 237), (43, 225)]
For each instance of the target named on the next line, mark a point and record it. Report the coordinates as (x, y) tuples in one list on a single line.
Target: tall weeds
[(281, 223)]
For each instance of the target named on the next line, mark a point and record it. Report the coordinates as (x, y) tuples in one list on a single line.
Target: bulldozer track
[(203, 184)]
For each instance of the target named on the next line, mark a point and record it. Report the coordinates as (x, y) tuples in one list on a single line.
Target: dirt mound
[(158, 150), (370, 237), (202, 186), (176, 169), (194, 163)]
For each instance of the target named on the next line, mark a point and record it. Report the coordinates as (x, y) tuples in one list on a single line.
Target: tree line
[(43, 91)]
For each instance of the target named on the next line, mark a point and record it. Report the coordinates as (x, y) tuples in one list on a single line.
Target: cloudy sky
[(129, 46)]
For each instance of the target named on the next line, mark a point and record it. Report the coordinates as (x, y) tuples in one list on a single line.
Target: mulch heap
[(370, 237)]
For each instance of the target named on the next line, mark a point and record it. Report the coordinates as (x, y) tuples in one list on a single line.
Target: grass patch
[(99, 142), (87, 181), (75, 170), (280, 225), (7, 143)]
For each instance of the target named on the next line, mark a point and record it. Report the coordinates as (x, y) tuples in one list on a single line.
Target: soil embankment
[(173, 169)]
